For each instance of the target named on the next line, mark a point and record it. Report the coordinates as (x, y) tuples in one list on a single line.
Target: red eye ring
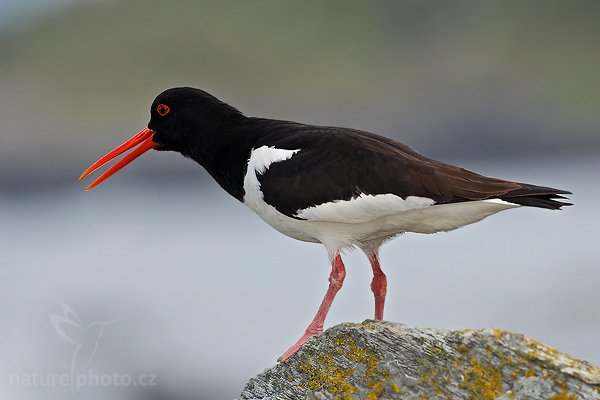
[(163, 109)]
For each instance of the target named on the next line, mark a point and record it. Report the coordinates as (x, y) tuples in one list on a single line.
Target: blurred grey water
[(205, 295)]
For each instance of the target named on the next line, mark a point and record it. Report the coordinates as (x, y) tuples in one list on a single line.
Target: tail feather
[(537, 196)]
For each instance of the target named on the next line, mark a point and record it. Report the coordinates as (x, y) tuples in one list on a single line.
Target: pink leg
[(378, 285), (336, 279)]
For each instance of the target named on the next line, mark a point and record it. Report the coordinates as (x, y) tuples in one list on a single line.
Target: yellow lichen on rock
[(324, 374), (483, 380), (382, 360), (499, 334), (377, 390), (563, 362), (564, 394), (347, 347), (481, 375)]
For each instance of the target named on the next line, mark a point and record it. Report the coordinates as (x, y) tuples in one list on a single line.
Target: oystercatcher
[(339, 187)]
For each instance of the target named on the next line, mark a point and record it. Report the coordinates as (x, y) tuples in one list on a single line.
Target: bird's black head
[(182, 119)]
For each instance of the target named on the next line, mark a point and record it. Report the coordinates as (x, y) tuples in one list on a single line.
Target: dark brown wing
[(339, 164)]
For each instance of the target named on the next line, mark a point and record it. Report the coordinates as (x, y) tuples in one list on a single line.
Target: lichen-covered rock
[(384, 360)]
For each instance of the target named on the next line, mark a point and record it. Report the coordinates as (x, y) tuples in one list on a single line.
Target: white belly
[(436, 218), (425, 217)]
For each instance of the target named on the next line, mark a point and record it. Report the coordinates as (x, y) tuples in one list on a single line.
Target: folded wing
[(344, 175)]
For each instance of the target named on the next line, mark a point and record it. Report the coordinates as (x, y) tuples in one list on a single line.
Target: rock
[(384, 360)]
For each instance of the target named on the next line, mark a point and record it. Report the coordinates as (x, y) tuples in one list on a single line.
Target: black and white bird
[(339, 187)]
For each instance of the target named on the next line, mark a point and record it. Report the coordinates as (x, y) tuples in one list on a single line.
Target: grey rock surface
[(384, 360)]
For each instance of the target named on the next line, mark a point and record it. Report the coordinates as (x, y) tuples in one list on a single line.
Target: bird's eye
[(163, 109)]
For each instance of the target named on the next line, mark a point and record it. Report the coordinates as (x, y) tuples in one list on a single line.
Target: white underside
[(363, 208), (362, 220)]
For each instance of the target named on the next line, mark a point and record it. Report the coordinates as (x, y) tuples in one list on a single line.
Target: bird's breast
[(260, 160)]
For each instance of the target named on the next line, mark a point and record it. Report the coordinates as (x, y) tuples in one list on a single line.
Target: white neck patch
[(263, 157), (260, 161)]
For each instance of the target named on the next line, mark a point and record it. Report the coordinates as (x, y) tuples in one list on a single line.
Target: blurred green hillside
[(453, 79)]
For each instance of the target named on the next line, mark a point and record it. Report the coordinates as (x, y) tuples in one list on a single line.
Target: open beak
[(144, 137)]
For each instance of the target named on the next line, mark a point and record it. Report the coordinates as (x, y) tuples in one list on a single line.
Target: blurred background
[(157, 285)]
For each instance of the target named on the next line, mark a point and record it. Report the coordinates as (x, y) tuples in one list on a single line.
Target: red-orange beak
[(144, 137)]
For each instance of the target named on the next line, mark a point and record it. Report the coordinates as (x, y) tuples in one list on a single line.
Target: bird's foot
[(292, 350)]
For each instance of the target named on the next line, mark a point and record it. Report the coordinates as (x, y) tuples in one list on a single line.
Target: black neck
[(224, 152)]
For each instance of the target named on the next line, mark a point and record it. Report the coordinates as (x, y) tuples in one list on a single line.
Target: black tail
[(537, 196)]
